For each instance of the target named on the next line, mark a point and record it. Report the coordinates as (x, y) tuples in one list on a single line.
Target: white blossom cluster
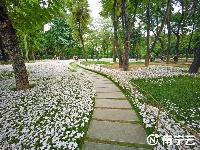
[(166, 124), (52, 114)]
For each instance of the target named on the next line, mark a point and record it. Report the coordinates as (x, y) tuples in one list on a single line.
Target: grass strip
[(120, 121), (135, 145)]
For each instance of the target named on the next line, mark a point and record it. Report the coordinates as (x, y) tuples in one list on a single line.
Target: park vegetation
[(127, 29), (33, 103)]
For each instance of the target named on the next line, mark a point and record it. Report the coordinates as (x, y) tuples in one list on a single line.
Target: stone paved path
[(114, 124)]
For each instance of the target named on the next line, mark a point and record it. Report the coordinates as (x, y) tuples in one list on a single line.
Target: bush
[(47, 57)]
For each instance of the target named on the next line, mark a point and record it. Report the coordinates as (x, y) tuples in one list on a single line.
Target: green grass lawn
[(95, 62), (182, 91)]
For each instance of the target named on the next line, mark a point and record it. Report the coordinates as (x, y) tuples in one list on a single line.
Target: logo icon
[(152, 139)]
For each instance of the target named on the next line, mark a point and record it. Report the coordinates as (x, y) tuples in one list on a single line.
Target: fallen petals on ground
[(50, 115)]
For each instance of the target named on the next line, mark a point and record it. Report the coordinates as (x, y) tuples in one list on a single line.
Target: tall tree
[(169, 35), (79, 19), (177, 24), (12, 14), (196, 62), (148, 34), (10, 42), (113, 10), (115, 18), (167, 11), (194, 67), (149, 49), (126, 20), (193, 14), (60, 36)]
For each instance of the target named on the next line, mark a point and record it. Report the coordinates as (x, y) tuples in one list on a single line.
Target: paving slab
[(111, 95), (117, 131), (101, 146), (111, 103), (104, 84), (103, 80), (104, 89), (115, 114), (107, 85)]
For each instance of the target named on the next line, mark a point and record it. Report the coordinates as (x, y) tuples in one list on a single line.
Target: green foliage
[(99, 42), (47, 57), (29, 15), (58, 40), (35, 43), (6, 63), (61, 33), (79, 16)]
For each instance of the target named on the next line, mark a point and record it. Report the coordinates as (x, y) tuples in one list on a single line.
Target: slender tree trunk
[(169, 35), (114, 51), (10, 42), (177, 44), (81, 39), (162, 45), (26, 47), (115, 25), (133, 28), (189, 44), (193, 29), (137, 50), (33, 55), (177, 33), (83, 47), (148, 35), (162, 24), (126, 35)]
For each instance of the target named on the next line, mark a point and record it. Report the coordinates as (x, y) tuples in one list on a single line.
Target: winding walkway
[(114, 124)]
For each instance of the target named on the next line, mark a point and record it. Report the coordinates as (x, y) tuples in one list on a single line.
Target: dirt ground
[(131, 66), (139, 65)]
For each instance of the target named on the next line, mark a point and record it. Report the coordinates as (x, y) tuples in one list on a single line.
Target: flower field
[(51, 115)]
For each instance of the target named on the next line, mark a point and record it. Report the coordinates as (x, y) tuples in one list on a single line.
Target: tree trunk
[(126, 35), (115, 25), (177, 44), (137, 51), (2, 50), (177, 33), (169, 35), (193, 29), (33, 56), (83, 48), (162, 45), (10, 42), (26, 47), (148, 35), (114, 51), (196, 63)]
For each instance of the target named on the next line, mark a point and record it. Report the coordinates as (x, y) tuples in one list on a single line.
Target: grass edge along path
[(127, 94), (133, 145)]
